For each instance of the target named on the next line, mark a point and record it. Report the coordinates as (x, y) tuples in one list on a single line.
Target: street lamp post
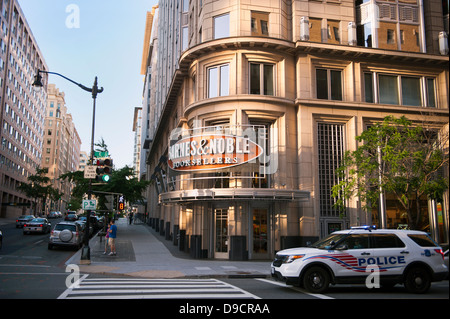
[(85, 253)]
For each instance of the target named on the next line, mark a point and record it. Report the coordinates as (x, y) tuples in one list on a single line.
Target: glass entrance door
[(221, 233), (260, 233)]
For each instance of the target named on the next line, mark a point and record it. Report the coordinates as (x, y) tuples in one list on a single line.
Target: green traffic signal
[(104, 169)]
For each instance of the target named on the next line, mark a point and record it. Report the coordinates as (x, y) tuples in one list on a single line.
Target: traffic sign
[(90, 172), (99, 154), (109, 202), (89, 204)]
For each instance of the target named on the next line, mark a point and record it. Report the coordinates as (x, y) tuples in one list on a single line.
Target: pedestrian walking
[(131, 218), (112, 238)]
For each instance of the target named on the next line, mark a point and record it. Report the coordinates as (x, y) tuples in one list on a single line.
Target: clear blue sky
[(108, 44)]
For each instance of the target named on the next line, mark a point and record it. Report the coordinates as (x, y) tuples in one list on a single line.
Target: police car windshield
[(326, 242)]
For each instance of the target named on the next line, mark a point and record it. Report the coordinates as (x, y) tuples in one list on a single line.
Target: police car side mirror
[(342, 247)]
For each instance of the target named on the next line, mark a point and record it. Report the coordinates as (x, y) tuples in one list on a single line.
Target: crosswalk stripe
[(136, 288)]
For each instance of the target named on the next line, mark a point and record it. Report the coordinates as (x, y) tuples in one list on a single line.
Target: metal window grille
[(330, 152)]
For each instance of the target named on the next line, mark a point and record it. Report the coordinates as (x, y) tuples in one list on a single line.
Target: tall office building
[(61, 150), (254, 104), (22, 110)]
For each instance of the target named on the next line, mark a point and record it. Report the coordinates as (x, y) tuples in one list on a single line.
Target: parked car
[(100, 221), (37, 225), (445, 249), (71, 217), (23, 220), (400, 256), (82, 223), (66, 234)]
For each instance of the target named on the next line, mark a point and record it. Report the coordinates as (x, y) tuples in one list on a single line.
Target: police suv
[(351, 256)]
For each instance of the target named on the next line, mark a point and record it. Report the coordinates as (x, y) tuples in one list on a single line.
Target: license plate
[(272, 270)]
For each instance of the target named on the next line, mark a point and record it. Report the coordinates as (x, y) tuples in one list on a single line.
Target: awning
[(235, 194)]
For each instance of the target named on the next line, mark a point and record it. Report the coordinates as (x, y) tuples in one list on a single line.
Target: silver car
[(37, 225), (66, 234), (22, 220)]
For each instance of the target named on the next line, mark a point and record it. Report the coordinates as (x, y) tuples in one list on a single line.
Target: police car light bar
[(365, 227)]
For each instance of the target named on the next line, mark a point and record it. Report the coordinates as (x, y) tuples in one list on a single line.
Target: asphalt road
[(28, 270)]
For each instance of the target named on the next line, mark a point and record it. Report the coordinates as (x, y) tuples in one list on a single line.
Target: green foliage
[(38, 187), (122, 182), (396, 157)]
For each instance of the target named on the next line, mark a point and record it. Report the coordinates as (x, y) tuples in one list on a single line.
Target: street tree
[(122, 182), (399, 158), (101, 146), (38, 188)]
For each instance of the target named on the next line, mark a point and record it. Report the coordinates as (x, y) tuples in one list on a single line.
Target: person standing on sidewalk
[(112, 237), (107, 239)]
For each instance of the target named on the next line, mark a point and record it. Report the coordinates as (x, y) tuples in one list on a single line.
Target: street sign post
[(89, 204)]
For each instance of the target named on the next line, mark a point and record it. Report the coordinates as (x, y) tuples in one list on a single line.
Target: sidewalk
[(141, 252)]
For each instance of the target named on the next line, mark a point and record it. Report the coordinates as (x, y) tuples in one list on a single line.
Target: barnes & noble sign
[(213, 150)]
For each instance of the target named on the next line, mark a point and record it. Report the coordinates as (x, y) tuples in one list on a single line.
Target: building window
[(329, 84), (259, 24), (388, 89), (411, 91), (399, 90), (262, 79), (368, 88), (219, 81), (222, 26), (185, 6), (390, 37), (185, 38), (333, 32), (330, 154), (431, 93)]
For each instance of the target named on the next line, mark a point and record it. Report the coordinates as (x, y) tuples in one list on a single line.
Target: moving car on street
[(71, 217), (37, 225), (53, 215), (23, 220), (408, 257)]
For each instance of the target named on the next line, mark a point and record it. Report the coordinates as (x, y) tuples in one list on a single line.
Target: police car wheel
[(316, 280), (417, 280)]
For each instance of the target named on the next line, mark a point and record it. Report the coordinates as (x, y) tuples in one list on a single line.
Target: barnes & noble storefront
[(217, 195)]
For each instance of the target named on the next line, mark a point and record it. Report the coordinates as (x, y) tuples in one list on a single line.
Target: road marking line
[(32, 273), (294, 288), (203, 268), (12, 265), (127, 288), (70, 289)]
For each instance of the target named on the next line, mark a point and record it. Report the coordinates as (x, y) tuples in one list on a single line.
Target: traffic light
[(104, 169), (121, 202)]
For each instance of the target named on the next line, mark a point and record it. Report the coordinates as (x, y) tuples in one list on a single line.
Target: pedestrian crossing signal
[(121, 202)]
